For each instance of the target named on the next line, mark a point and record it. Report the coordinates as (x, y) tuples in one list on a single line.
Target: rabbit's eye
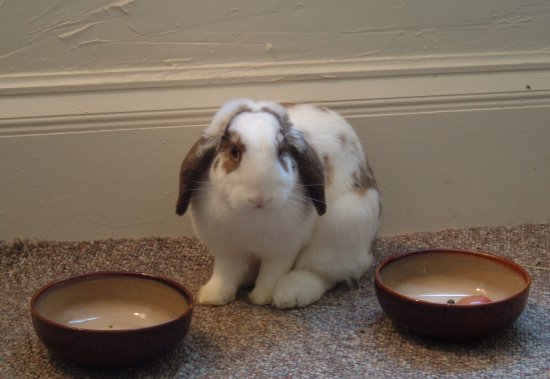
[(283, 149), (235, 153)]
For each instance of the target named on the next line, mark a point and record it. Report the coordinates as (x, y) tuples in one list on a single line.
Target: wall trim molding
[(201, 117), (165, 97), (263, 72)]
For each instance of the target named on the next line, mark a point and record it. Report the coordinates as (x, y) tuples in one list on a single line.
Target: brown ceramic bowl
[(112, 319), (414, 290)]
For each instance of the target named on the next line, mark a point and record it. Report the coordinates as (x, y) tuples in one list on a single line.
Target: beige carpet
[(345, 335)]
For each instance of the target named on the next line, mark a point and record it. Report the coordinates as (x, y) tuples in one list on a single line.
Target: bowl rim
[(142, 275), (484, 255)]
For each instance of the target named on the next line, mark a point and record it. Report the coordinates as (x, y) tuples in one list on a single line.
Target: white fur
[(255, 224)]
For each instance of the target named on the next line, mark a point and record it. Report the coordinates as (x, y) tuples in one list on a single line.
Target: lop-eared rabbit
[(284, 198)]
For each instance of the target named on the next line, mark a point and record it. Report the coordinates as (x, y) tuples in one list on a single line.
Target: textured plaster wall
[(66, 35)]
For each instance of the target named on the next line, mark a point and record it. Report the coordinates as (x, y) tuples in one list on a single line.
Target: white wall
[(99, 100), (66, 35)]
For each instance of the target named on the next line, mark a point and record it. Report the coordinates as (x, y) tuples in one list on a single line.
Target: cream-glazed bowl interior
[(446, 275), (120, 302)]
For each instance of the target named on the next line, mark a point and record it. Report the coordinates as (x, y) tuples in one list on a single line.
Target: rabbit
[(284, 199)]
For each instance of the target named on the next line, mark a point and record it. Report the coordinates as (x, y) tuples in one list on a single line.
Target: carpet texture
[(345, 335)]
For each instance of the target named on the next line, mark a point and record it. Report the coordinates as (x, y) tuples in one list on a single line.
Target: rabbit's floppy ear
[(310, 169), (196, 163), (200, 157)]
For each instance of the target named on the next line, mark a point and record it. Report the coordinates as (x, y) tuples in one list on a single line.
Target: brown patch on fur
[(363, 179), (230, 145)]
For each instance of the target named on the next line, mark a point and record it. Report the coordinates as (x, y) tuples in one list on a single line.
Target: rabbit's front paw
[(261, 296), (214, 294), (298, 289)]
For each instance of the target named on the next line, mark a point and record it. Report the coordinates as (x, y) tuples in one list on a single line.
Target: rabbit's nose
[(260, 201)]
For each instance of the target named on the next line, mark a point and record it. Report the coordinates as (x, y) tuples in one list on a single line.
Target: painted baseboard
[(460, 141)]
